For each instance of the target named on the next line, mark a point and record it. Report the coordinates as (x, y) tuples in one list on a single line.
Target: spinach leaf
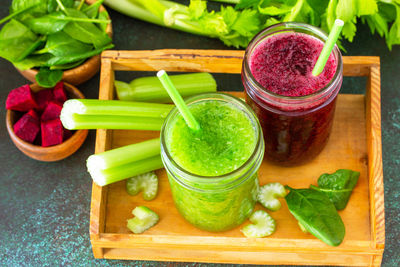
[(61, 44), (316, 213), (104, 16), (72, 58), (92, 10), (33, 61), (68, 65), (39, 8), (52, 4), (48, 78), (86, 32), (48, 24), (338, 186), (17, 41)]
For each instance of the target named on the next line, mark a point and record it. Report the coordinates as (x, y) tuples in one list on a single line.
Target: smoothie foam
[(224, 143), (283, 64)]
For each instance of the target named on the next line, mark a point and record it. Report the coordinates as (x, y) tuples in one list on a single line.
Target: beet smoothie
[(295, 109)]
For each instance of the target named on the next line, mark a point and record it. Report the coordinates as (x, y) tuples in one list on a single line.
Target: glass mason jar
[(215, 203), (296, 128)]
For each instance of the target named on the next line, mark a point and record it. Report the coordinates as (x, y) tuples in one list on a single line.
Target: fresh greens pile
[(53, 35), (237, 25)]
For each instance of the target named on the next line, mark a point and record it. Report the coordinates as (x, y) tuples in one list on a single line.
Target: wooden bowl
[(79, 74), (51, 153)]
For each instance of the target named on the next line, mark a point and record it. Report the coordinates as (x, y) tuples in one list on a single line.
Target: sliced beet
[(51, 112), (43, 98), (67, 134), (52, 132), (27, 127), (59, 93), (21, 99)]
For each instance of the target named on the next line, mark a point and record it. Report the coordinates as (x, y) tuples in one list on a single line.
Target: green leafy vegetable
[(48, 78), (47, 24), (236, 26), (61, 44), (338, 186), (17, 41), (86, 32), (316, 213), (52, 35)]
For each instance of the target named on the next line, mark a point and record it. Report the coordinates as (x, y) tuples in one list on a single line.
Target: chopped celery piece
[(121, 172), (263, 225), (269, 194), (116, 107), (143, 220), (146, 182), (123, 155), (150, 89), (72, 121)]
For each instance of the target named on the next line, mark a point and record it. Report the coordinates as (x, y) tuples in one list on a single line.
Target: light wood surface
[(354, 144), (51, 153)]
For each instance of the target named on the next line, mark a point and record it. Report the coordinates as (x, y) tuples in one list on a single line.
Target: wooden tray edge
[(353, 66)]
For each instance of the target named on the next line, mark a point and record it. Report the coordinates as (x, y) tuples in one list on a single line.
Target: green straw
[(178, 100), (328, 47)]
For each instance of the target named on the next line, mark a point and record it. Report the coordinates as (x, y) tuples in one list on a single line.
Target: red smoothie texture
[(283, 64)]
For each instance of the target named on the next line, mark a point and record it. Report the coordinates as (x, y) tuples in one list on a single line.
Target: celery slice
[(143, 220), (146, 182), (268, 195), (123, 155), (263, 225), (150, 89), (121, 172)]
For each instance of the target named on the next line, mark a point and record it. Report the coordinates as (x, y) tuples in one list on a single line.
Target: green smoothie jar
[(213, 172)]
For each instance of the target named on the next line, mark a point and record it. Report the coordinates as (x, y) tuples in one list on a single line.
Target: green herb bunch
[(237, 24), (53, 35)]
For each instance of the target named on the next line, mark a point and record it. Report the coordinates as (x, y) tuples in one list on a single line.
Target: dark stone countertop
[(44, 207)]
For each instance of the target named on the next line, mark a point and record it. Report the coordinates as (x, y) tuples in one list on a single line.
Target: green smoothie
[(226, 139), (213, 172)]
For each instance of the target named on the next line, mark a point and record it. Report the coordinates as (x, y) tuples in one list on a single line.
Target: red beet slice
[(52, 132), (43, 98), (67, 134), (21, 99), (51, 112), (27, 127), (59, 93)]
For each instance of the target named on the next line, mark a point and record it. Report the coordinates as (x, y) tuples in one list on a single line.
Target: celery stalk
[(78, 121), (123, 155), (150, 89), (118, 173), (116, 107)]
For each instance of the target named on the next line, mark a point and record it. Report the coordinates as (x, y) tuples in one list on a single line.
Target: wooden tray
[(355, 144)]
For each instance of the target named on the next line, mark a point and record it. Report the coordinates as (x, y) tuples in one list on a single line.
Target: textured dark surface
[(44, 207)]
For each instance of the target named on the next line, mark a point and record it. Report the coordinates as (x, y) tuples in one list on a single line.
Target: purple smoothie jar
[(296, 124)]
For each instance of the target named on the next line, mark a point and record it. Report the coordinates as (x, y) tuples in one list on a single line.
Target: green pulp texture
[(225, 142), (216, 211)]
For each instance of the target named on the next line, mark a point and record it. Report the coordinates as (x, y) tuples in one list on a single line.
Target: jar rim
[(289, 27), (231, 177)]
